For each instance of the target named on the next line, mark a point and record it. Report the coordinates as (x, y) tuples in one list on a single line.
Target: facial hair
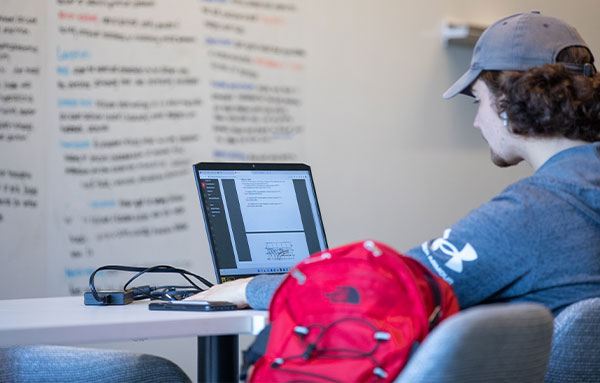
[(499, 161), (502, 162)]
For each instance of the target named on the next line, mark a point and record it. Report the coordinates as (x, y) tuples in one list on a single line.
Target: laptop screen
[(260, 218)]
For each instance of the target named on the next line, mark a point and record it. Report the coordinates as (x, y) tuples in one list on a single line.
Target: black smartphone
[(192, 306)]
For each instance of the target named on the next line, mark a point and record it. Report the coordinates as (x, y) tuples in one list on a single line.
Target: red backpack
[(351, 314)]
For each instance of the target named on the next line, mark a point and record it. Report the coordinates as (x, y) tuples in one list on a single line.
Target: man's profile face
[(504, 146)]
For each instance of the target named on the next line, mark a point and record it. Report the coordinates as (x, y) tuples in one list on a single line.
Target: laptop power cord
[(128, 295)]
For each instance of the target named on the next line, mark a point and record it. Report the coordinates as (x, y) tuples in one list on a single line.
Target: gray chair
[(491, 343), (24, 364), (575, 355)]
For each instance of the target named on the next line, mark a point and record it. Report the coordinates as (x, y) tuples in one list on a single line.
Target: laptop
[(260, 218)]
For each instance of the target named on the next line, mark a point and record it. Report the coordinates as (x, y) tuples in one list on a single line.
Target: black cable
[(142, 291), (166, 293), (168, 269)]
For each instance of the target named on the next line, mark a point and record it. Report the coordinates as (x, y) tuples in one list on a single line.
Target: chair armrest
[(508, 342)]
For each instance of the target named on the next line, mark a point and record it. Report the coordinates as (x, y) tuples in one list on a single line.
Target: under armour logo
[(344, 294), (455, 263)]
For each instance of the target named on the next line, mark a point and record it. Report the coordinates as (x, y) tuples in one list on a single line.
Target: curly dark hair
[(549, 101)]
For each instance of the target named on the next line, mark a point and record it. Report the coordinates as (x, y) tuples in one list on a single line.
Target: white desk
[(66, 320)]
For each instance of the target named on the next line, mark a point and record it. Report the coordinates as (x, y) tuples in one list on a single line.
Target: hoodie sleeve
[(260, 290)]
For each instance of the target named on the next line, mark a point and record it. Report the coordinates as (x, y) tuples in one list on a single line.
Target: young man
[(539, 240)]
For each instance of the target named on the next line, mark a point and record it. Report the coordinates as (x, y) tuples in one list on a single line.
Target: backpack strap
[(436, 293), (257, 349)]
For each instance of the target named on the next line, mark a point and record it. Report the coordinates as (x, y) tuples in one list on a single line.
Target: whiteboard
[(126, 96)]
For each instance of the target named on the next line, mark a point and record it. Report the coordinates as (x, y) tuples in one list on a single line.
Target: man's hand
[(234, 292)]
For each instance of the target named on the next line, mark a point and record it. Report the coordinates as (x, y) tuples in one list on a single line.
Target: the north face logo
[(455, 263), (344, 294)]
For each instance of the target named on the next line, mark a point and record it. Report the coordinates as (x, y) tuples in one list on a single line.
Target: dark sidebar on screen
[(217, 222), (306, 214), (237, 221)]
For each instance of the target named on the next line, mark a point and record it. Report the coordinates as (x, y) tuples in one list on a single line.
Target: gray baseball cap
[(520, 42)]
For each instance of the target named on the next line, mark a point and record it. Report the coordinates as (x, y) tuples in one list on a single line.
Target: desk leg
[(218, 359)]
